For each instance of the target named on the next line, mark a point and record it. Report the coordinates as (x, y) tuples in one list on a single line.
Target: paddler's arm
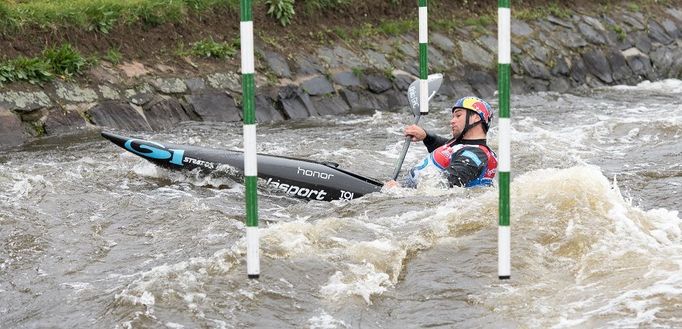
[(465, 166), (431, 141)]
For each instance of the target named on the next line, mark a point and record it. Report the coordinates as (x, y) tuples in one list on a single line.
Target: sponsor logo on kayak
[(154, 151), (294, 190), (313, 173), (346, 196), (206, 164)]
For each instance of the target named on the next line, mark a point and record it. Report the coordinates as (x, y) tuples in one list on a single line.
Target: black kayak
[(296, 177)]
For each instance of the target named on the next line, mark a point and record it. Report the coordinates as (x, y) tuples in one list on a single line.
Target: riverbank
[(364, 65)]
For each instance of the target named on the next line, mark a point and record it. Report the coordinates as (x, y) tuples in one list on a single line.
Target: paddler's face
[(458, 121)]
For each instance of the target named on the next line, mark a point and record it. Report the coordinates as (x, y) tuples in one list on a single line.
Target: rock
[(483, 83), (675, 13), (396, 99), (535, 69), (118, 115), (195, 85), (591, 34), (295, 103), (339, 56), (11, 131), (71, 92), (671, 28), (558, 21), (639, 62), (634, 21), (595, 23), (537, 50), (676, 67), (345, 79), (225, 81), (535, 85), (474, 54), (442, 42), (278, 64), (109, 92), (330, 105), (363, 102), (571, 39), (662, 60), (378, 83), (169, 86), (164, 113), (402, 79), (61, 121), (560, 67), (598, 65), (22, 101), (214, 106), (266, 111), (621, 72), (520, 28), (489, 42), (641, 41), (658, 33), (436, 58), (578, 70), (455, 88), (306, 66), (317, 85), (133, 69), (560, 85), (377, 60)]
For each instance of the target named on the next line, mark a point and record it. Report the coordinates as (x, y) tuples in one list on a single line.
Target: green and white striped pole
[(423, 60), (504, 71), (250, 164)]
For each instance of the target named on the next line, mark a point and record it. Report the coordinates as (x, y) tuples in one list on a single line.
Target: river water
[(93, 237)]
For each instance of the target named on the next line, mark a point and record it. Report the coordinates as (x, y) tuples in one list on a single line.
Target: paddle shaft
[(406, 146)]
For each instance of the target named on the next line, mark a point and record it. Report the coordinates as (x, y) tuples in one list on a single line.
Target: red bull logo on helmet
[(477, 105)]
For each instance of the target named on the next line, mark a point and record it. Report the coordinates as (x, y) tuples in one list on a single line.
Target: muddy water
[(94, 237)]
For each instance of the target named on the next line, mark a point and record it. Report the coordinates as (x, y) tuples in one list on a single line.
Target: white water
[(95, 237)]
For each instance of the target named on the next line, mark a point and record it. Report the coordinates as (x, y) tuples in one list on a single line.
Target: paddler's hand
[(390, 184), (416, 132)]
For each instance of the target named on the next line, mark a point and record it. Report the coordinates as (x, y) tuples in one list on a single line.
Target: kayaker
[(465, 159)]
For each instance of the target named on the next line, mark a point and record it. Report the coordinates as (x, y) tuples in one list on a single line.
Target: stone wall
[(552, 54)]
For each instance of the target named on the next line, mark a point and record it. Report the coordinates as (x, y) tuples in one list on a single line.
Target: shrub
[(64, 61), (210, 48), (281, 10)]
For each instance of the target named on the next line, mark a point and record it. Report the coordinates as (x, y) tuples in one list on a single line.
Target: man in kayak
[(465, 159)]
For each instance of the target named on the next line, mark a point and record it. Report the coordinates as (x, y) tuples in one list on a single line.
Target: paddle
[(434, 81)]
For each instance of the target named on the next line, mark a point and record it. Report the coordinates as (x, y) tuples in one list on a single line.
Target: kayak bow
[(296, 177)]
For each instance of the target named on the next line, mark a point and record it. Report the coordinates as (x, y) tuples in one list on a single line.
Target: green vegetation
[(633, 6), (114, 56), (63, 61), (620, 32), (211, 49), (281, 10), (100, 15), (553, 8)]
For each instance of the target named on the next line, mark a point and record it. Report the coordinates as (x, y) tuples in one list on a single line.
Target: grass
[(64, 61), (100, 15), (552, 8), (211, 49)]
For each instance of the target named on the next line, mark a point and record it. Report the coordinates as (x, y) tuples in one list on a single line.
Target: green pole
[(250, 164), (423, 58), (504, 71)]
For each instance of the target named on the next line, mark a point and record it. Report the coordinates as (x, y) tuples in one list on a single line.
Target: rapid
[(93, 237)]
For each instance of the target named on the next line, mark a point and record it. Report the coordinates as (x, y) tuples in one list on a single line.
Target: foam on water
[(668, 86)]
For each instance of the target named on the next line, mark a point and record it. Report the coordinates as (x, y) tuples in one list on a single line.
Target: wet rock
[(141, 95), (402, 79), (676, 66), (621, 72), (455, 87), (169, 86), (119, 115), (658, 33), (295, 103), (598, 65), (378, 83), (639, 62), (278, 64), (474, 54), (560, 85), (535, 85), (520, 28), (266, 111), (11, 131), (318, 85), (214, 106), (535, 69), (195, 85), (330, 105), (662, 60), (363, 102), (578, 70), (396, 99), (345, 79), (60, 121), (482, 82), (22, 101), (164, 113)]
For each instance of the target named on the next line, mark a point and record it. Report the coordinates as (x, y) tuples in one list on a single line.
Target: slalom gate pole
[(423, 59), (503, 84), (250, 164)]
